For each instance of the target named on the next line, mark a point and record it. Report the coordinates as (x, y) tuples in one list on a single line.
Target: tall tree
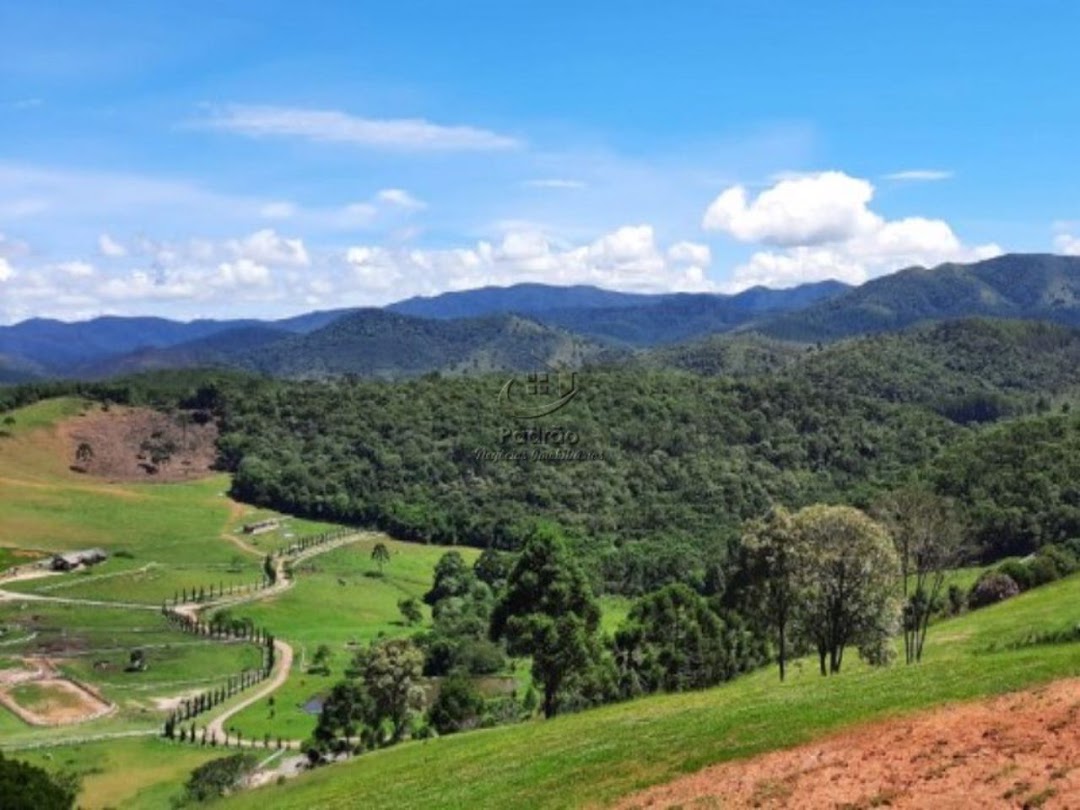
[(773, 557), (847, 581), (548, 611), (672, 640), (390, 670), (930, 541), (380, 554), (453, 577)]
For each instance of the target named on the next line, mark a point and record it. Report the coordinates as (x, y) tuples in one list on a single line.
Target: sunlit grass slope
[(597, 756)]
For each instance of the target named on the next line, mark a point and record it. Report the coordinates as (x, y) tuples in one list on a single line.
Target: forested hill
[(1028, 286), (376, 343), (668, 463)]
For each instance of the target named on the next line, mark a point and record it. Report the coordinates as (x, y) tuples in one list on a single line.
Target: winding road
[(283, 662)]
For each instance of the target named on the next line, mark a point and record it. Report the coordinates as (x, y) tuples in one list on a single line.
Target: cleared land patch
[(139, 444), (1018, 750)]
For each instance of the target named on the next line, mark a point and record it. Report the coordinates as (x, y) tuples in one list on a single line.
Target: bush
[(955, 600), (991, 588), (1064, 559), (1042, 571), (218, 777), (458, 705), (1019, 572)]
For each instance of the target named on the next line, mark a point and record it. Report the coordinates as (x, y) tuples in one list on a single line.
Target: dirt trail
[(1019, 750), (283, 666)]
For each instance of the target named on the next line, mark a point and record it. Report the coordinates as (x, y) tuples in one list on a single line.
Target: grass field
[(595, 757), (139, 774), (164, 538), (339, 601)]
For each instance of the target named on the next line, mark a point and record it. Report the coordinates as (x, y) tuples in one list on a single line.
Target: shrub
[(1061, 557), (219, 777), (992, 587), (458, 705), (1042, 571), (1019, 572), (955, 600)]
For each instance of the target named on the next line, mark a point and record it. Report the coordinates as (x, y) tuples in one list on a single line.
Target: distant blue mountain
[(523, 299)]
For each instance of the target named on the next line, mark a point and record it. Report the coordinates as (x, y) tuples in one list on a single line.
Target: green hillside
[(597, 756), (1029, 286)]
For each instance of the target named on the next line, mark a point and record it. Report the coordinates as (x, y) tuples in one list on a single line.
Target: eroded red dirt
[(1020, 750), (123, 443)]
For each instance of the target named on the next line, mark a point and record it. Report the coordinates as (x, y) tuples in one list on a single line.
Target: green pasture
[(141, 773), (338, 599)]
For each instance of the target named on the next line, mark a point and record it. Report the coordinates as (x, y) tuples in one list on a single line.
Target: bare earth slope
[(122, 443), (1020, 750)]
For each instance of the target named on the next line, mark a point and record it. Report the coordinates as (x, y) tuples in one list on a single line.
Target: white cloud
[(107, 246), (266, 247), (825, 229), (277, 210), (554, 182), (6, 270), (199, 277), (626, 258), (690, 253), (1067, 244), (140, 285), (400, 198), (243, 273), (413, 134), (812, 210), (920, 175)]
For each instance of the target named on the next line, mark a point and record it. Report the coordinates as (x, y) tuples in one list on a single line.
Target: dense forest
[(672, 452)]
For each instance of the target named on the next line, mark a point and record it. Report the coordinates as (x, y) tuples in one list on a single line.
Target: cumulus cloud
[(413, 134), (690, 253), (824, 228), (142, 285), (109, 247), (266, 247), (203, 277), (812, 210), (6, 270), (1067, 244), (243, 273), (626, 258)]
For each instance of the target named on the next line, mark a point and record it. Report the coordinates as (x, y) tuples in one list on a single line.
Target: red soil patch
[(1020, 750), (124, 441)]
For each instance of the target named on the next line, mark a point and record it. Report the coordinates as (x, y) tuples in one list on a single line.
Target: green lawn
[(597, 756)]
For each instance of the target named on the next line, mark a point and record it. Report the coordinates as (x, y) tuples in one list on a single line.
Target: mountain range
[(516, 327)]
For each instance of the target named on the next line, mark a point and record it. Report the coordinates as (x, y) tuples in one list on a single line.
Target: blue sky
[(218, 159)]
